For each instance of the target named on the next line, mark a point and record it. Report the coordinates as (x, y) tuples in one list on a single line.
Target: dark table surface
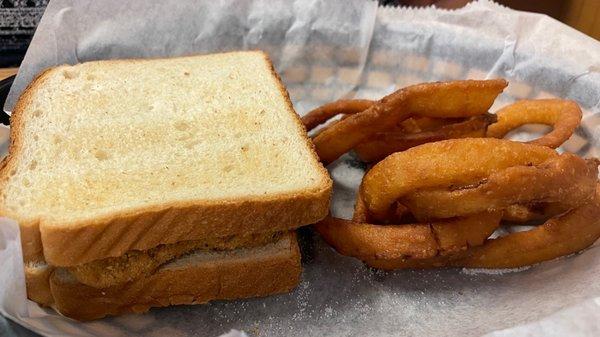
[(9, 328)]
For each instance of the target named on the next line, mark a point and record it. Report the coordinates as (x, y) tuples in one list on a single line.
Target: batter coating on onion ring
[(325, 112), (420, 240), (563, 115), (437, 204), (472, 209), (450, 162), (559, 236), (441, 99), (571, 178), (408, 133), (380, 145)]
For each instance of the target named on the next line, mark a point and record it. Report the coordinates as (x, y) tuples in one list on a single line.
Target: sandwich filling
[(134, 264)]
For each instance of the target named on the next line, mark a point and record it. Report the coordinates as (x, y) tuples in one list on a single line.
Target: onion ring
[(563, 235), (420, 241), (451, 235), (325, 112), (559, 236), (445, 163), (563, 115), (437, 204), (366, 241), (572, 179), (442, 99), (347, 107), (383, 144)]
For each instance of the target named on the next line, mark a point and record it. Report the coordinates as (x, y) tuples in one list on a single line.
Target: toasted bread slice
[(192, 279), (112, 156)]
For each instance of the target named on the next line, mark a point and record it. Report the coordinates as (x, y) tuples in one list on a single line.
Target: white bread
[(193, 279), (112, 156)]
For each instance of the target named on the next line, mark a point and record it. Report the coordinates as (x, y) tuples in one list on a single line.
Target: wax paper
[(325, 50)]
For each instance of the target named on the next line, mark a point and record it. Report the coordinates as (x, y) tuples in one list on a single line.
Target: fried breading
[(135, 264)]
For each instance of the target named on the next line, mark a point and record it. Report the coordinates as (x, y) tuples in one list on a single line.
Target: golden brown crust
[(31, 242), (190, 284), (82, 241), (37, 280), (145, 229), (135, 264), (298, 121)]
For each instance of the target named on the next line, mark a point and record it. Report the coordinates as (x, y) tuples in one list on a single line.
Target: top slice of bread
[(110, 156)]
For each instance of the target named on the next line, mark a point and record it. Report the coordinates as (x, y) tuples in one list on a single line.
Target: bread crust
[(147, 228), (31, 241), (85, 240), (220, 279), (37, 281)]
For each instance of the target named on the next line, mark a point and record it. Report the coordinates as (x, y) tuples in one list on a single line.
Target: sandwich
[(146, 183)]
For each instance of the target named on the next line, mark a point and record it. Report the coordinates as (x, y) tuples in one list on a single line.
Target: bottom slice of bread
[(193, 279), (37, 280)]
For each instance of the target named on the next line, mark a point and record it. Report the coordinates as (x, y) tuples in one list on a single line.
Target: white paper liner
[(326, 50)]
